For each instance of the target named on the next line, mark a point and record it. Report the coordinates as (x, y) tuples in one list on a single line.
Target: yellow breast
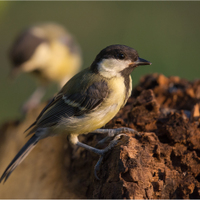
[(102, 114), (62, 65)]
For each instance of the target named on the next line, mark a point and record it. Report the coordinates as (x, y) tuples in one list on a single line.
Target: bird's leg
[(34, 99), (113, 132), (112, 144), (100, 152)]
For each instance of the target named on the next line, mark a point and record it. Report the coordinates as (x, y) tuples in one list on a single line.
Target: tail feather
[(25, 150)]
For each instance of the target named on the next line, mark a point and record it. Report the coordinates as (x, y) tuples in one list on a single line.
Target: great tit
[(86, 102), (47, 51)]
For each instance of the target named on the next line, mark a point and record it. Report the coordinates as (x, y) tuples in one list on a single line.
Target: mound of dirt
[(163, 162)]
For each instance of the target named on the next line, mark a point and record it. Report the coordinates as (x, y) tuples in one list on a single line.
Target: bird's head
[(115, 60)]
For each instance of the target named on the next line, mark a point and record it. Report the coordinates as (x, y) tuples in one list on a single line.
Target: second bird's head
[(117, 60)]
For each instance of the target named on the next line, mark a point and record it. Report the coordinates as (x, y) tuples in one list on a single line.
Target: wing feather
[(69, 105)]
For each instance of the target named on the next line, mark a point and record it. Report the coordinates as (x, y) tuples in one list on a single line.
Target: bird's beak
[(141, 61)]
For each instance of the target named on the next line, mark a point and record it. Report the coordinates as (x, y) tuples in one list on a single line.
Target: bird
[(48, 52), (86, 103)]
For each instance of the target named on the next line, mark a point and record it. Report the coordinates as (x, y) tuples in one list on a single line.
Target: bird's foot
[(112, 133), (116, 133), (112, 144)]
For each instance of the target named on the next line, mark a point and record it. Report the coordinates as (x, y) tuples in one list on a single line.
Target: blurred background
[(165, 33)]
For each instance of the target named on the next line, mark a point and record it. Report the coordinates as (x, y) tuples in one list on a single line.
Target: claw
[(117, 137), (97, 167), (129, 130), (113, 132), (109, 147)]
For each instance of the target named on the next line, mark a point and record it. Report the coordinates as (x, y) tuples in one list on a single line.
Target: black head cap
[(24, 47), (121, 52)]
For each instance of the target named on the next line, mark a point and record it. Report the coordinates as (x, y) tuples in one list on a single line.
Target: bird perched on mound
[(87, 102), (48, 52)]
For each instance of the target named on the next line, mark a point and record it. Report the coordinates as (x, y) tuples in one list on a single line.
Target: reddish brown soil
[(165, 161)]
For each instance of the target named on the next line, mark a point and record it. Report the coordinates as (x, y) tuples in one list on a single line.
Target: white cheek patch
[(39, 58), (112, 67)]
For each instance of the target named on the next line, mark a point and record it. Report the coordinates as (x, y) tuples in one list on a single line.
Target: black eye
[(120, 56)]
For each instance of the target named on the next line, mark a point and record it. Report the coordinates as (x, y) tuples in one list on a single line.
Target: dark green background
[(165, 33)]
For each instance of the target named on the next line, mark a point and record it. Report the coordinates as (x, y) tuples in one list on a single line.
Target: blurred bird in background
[(47, 51)]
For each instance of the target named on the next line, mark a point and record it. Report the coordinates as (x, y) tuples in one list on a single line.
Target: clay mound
[(164, 162)]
